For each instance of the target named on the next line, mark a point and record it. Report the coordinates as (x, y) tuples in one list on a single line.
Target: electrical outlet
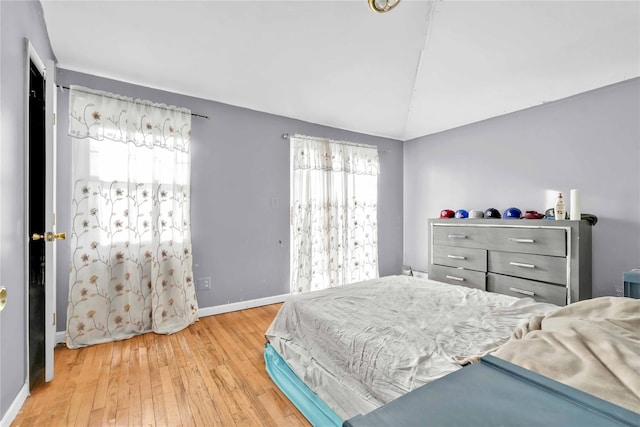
[(204, 284), (619, 291)]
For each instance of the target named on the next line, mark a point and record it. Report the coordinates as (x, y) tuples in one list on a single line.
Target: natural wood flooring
[(210, 374)]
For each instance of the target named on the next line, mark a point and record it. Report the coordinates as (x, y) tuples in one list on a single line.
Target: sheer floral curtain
[(131, 265), (334, 229)]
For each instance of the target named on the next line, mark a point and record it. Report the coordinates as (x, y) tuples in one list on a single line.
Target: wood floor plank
[(224, 395), (96, 417), (220, 413), (182, 397), (90, 386), (134, 398), (202, 405), (71, 373), (104, 367), (146, 398), (277, 408), (169, 394), (209, 374), (113, 385)]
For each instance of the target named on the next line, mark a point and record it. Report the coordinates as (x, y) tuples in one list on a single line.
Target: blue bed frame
[(308, 403), (491, 392)]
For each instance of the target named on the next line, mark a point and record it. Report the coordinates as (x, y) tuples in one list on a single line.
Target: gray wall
[(240, 194), (20, 20), (590, 141)]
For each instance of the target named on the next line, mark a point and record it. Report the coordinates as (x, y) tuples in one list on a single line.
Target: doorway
[(36, 200)]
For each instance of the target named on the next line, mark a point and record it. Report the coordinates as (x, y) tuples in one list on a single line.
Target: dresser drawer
[(542, 241), (536, 267), (541, 292), (461, 236), (452, 256), (458, 276)]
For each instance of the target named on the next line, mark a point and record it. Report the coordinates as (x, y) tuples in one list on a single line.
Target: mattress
[(362, 345)]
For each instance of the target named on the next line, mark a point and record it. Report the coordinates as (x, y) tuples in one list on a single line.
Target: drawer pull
[(459, 279), (520, 264), (513, 239), (456, 257), (523, 292), (457, 236)]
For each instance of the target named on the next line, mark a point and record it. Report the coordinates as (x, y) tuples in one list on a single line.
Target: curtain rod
[(193, 114), (386, 150)]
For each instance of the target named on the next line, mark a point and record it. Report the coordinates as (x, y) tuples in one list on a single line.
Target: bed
[(357, 347)]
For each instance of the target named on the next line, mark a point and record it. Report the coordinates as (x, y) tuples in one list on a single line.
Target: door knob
[(49, 236), (3, 297)]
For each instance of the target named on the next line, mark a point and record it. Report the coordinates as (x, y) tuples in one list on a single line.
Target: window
[(334, 232), (131, 263)]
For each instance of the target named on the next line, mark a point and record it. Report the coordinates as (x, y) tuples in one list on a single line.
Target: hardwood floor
[(210, 374)]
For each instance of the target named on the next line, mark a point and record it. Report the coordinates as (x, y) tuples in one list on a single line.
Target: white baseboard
[(13, 410), (235, 306), (218, 309)]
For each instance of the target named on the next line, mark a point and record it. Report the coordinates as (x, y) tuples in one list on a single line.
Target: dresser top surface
[(507, 222)]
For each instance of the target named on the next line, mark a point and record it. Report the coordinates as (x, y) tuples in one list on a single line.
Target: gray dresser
[(549, 261)]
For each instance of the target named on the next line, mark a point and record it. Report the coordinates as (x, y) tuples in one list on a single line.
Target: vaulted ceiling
[(424, 67)]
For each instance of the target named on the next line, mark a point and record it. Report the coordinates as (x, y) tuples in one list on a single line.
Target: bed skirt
[(307, 402)]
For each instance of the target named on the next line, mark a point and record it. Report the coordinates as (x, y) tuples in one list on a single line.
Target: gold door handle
[(49, 236), (3, 297)]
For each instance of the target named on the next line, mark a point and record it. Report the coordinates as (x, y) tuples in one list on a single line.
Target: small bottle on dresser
[(560, 211)]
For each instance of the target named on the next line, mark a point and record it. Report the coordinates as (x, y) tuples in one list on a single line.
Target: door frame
[(50, 176), (50, 208), (1, 223)]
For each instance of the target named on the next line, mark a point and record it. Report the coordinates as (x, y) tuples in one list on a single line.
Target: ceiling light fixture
[(381, 6)]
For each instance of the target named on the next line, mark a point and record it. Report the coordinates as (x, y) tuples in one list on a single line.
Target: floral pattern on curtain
[(131, 263), (334, 230)]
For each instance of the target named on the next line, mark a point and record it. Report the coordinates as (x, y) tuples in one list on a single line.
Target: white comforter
[(362, 345)]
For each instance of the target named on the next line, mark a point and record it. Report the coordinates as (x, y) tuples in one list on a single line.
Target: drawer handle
[(523, 292), (520, 264), (457, 236), (459, 279), (456, 257), (513, 239)]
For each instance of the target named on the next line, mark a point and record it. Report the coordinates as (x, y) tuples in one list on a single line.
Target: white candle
[(575, 205)]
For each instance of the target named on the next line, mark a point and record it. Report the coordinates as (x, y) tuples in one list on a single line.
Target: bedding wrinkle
[(362, 345), (592, 345)]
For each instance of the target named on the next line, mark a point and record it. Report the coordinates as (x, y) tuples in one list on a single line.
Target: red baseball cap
[(447, 213)]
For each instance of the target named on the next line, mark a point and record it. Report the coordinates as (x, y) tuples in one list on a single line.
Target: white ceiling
[(421, 68)]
